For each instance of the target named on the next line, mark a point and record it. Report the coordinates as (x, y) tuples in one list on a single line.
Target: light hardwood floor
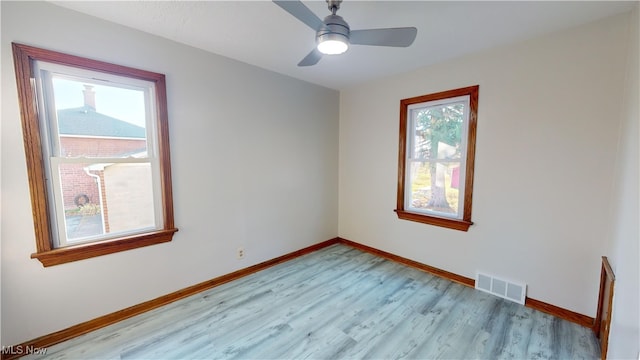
[(337, 303)]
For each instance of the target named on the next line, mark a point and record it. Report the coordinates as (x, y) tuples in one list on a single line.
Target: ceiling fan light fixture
[(332, 44), (333, 37)]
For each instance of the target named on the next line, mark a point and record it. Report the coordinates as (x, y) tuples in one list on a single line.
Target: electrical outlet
[(240, 253)]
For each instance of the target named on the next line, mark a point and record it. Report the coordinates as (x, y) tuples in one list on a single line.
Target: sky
[(120, 103)]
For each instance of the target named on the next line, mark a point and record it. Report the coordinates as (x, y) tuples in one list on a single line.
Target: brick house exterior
[(75, 181), (84, 132)]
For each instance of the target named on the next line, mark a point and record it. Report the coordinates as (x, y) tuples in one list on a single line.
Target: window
[(436, 156), (96, 140)]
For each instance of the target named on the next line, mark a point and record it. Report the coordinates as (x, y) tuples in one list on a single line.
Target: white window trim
[(410, 159), (44, 73)]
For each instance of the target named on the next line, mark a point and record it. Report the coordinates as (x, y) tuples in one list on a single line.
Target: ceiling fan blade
[(311, 59), (301, 12), (397, 37)]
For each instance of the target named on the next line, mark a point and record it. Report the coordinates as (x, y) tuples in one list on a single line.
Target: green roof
[(86, 121)]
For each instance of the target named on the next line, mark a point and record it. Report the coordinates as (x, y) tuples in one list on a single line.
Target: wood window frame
[(451, 223), (24, 56)]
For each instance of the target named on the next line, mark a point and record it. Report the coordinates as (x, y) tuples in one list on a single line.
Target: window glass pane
[(437, 143), (438, 131), (96, 120), (106, 198), (435, 187), (81, 201)]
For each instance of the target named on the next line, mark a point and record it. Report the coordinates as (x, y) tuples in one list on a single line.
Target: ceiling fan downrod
[(333, 5)]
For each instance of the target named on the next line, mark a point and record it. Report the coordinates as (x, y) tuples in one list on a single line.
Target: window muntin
[(141, 161), (437, 147)]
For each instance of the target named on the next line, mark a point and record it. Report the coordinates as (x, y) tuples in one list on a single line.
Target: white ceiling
[(262, 34)]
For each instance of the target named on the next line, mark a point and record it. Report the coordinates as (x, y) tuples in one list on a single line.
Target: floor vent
[(499, 287)]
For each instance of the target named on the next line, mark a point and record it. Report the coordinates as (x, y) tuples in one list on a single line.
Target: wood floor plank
[(337, 303)]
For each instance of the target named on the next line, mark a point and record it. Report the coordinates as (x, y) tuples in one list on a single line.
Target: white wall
[(623, 249), (548, 119), (545, 199), (254, 160)]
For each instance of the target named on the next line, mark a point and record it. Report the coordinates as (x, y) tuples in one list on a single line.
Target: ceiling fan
[(333, 35)]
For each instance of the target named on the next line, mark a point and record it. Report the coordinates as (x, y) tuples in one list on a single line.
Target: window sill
[(455, 224), (86, 251)]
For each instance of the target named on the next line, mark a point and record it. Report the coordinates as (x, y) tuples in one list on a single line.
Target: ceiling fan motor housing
[(335, 28)]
